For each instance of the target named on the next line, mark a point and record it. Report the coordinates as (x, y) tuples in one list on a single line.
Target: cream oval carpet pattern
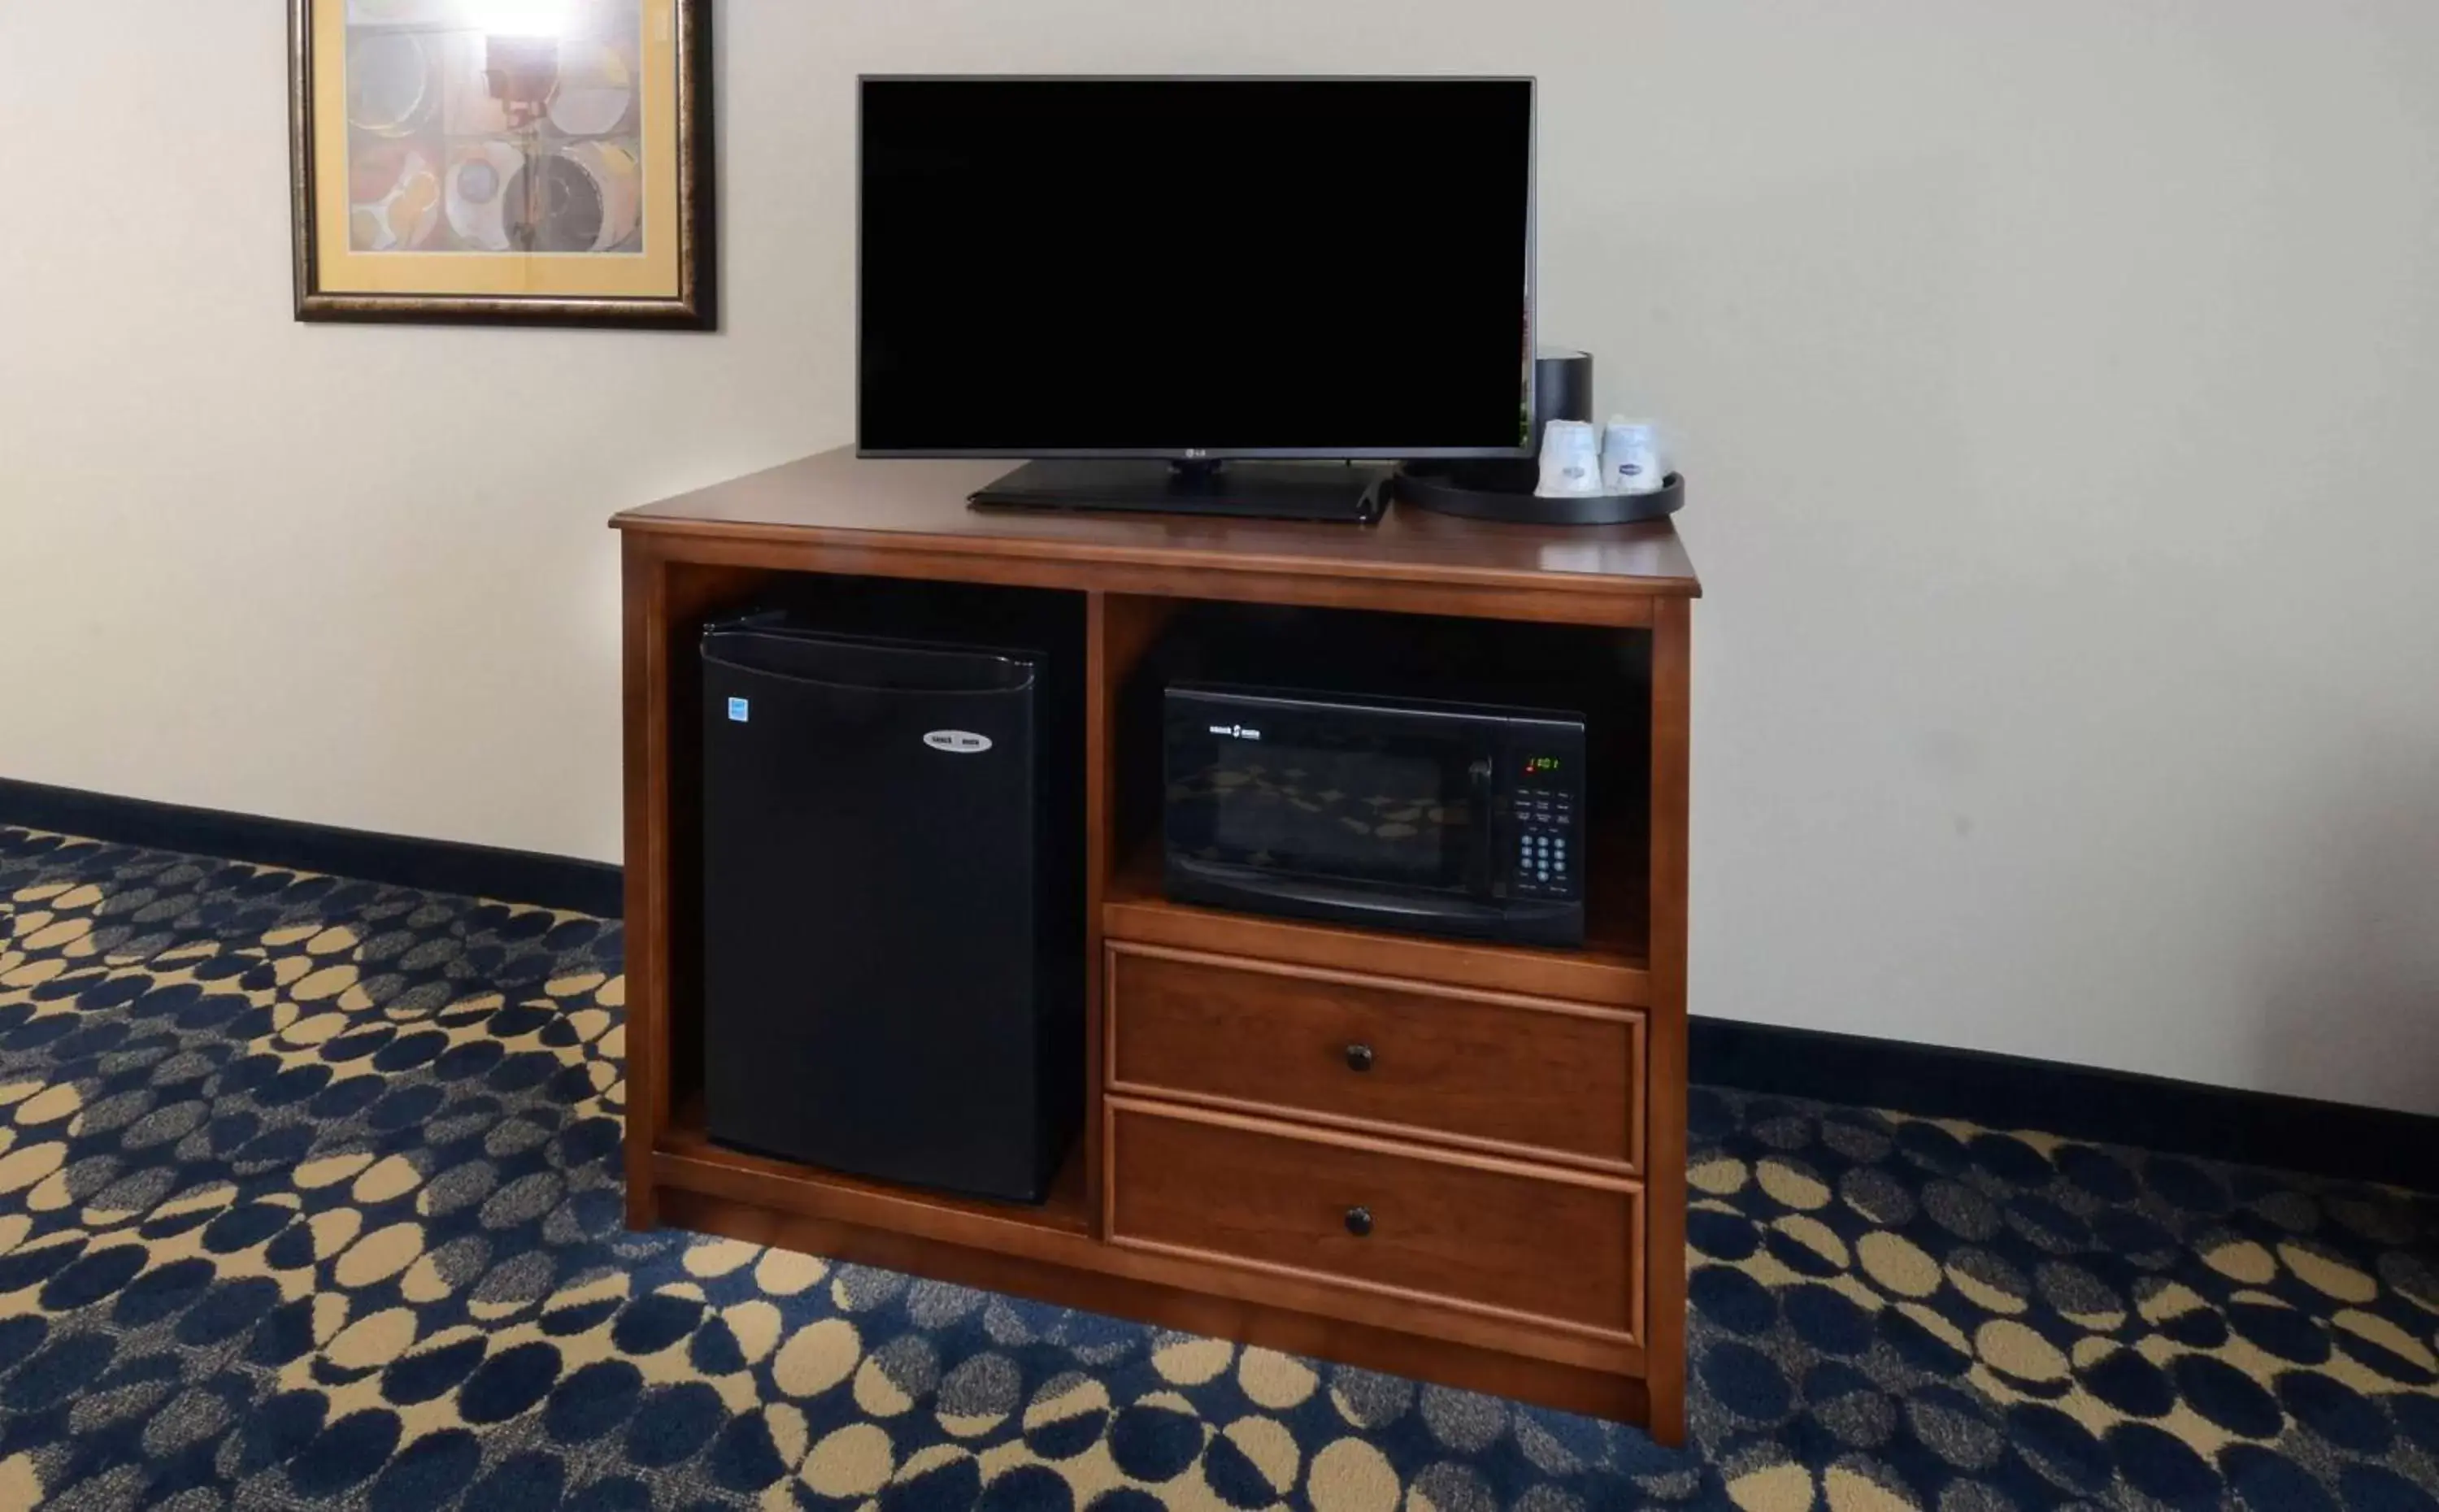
[(308, 1198)]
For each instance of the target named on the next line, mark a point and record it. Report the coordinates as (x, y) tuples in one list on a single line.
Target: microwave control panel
[(1545, 844)]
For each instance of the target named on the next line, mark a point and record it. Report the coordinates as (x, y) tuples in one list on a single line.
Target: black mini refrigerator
[(893, 896)]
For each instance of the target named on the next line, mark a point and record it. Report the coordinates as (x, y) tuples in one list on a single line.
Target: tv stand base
[(1260, 490)]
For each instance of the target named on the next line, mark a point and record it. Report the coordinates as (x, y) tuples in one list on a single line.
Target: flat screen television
[(1178, 272)]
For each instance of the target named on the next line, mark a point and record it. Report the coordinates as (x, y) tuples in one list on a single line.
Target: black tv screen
[(1220, 267)]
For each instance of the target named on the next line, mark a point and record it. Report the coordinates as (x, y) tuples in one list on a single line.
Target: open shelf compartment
[(1601, 672), (683, 1154)]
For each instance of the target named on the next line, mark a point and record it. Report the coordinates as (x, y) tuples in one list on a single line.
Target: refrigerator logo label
[(1237, 732), (737, 710), (959, 742)]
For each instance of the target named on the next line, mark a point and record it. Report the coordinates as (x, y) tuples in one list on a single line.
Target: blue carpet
[(309, 1197)]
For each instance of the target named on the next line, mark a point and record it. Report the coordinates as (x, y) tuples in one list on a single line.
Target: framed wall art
[(529, 162)]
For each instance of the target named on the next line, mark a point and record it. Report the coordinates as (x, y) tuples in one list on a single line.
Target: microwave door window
[(1364, 811)]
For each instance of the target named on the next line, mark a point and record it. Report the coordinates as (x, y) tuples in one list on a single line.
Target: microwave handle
[(1484, 774)]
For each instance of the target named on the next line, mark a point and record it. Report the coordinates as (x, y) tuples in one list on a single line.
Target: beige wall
[(2058, 382)]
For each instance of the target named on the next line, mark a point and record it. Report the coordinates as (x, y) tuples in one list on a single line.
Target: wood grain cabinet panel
[(1498, 1072), (1487, 1234)]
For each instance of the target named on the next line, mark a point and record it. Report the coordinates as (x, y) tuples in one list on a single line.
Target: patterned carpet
[(308, 1198)]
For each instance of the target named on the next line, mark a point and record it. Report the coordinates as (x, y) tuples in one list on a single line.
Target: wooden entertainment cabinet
[(1459, 1162)]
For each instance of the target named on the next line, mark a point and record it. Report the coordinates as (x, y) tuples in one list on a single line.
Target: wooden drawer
[(1473, 1231), (1521, 1075)]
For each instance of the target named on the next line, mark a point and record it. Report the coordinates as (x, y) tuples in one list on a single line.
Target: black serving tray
[(1503, 491)]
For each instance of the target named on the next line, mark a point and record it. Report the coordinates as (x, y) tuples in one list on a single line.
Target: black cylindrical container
[(1562, 388)]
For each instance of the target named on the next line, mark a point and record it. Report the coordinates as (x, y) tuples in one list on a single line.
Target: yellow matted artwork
[(523, 160)]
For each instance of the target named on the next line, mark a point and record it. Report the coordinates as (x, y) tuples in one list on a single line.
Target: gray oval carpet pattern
[(309, 1197)]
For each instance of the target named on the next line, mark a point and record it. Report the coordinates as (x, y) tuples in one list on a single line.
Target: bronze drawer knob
[(1359, 1057), (1358, 1222)]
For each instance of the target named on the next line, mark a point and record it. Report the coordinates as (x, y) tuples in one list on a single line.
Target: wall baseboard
[(2077, 1102), (1998, 1092), (434, 866)]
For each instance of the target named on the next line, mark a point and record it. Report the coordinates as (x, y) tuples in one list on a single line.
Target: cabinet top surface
[(921, 505)]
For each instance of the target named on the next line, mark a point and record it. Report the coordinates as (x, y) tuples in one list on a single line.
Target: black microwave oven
[(1463, 819)]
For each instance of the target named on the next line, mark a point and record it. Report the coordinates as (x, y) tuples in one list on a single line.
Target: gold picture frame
[(504, 162)]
